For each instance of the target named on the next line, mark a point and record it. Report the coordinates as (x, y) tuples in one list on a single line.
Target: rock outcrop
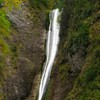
[(28, 29)]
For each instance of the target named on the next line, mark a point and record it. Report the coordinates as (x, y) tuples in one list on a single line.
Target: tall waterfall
[(51, 50)]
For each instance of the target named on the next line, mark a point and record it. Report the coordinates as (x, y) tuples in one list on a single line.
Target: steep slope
[(22, 42), (26, 44), (30, 38), (76, 70), (76, 73)]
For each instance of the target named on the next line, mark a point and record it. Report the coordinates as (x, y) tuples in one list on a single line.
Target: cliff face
[(27, 42), (76, 72), (22, 46)]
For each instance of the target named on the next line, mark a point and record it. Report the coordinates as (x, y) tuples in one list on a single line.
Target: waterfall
[(51, 50)]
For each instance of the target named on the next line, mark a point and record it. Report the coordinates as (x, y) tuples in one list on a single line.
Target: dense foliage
[(84, 35)]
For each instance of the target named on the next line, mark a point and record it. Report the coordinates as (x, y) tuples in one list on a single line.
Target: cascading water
[(52, 45)]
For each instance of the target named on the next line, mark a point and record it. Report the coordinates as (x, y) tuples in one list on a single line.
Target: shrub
[(4, 25)]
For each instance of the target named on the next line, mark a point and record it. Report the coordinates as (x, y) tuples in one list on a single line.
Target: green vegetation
[(1, 1), (84, 33), (4, 24), (79, 38), (83, 18), (80, 33), (47, 4), (87, 85), (79, 46), (4, 33), (6, 53), (62, 70)]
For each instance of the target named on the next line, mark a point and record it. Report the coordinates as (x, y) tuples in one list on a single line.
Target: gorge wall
[(27, 44), (76, 71)]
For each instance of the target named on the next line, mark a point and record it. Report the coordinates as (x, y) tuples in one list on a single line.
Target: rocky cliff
[(76, 72), (27, 43)]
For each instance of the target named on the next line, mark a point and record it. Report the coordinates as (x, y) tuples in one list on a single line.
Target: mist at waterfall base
[(51, 50)]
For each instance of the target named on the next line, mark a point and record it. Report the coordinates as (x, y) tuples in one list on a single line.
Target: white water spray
[(52, 45)]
